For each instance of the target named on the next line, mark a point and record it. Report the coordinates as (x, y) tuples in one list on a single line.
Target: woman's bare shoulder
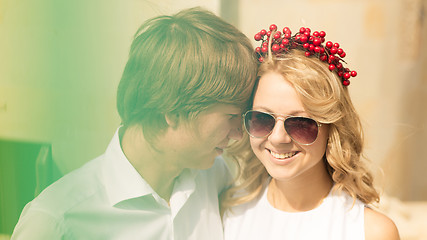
[(378, 226)]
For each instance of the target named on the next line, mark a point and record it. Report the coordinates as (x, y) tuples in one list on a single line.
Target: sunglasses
[(302, 130)]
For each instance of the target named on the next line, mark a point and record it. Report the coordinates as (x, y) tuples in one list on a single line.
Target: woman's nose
[(279, 134)]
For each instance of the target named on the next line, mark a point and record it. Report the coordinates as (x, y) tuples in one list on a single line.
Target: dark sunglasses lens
[(302, 130), (259, 124)]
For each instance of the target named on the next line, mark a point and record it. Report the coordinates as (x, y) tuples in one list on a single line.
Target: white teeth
[(283, 155)]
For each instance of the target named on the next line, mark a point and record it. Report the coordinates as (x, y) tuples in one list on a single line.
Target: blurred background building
[(61, 61)]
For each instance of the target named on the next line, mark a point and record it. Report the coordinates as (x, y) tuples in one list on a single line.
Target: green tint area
[(60, 66), (26, 169), (86, 54), (17, 179), (60, 63)]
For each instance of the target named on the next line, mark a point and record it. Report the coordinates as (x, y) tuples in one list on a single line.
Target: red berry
[(286, 30), (340, 51), (339, 65), (322, 50), (331, 67), (334, 50), (258, 49), (346, 75), (264, 44), (317, 49), (307, 33), (287, 35), (282, 45), (322, 34), (353, 73), (275, 47), (316, 34), (331, 58), (277, 35), (264, 49), (306, 45), (263, 32), (261, 59), (307, 54), (342, 55), (346, 82), (257, 37), (337, 45), (273, 27), (317, 41), (302, 30), (340, 73), (303, 38), (323, 57), (285, 41), (311, 47), (268, 33), (329, 44), (308, 30)]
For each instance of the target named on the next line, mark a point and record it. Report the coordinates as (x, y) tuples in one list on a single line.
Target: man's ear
[(172, 119)]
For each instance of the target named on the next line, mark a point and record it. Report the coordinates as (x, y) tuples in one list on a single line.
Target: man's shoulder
[(43, 217), (72, 189)]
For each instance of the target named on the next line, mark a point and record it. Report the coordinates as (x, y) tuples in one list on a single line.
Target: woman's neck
[(300, 194)]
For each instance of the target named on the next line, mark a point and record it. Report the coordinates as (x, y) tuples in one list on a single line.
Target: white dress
[(335, 219)]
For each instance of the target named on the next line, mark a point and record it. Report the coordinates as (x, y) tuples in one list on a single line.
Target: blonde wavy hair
[(326, 100)]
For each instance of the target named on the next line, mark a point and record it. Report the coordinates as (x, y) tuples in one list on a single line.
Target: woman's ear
[(172, 119)]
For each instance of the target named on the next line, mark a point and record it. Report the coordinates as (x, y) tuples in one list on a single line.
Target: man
[(183, 89)]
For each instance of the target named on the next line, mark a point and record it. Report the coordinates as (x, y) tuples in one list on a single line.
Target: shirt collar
[(123, 182), (184, 186)]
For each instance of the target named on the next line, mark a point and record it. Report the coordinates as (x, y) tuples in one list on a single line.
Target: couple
[(187, 82)]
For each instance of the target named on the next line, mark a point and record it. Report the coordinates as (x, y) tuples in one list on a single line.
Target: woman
[(302, 176)]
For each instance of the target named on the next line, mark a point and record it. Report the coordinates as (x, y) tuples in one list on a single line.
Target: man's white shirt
[(108, 199)]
